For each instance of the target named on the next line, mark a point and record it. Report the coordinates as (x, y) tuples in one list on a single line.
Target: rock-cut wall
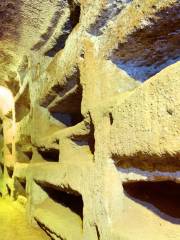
[(90, 142)]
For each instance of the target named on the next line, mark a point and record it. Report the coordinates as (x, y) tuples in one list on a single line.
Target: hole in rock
[(161, 197), (8, 189), (84, 148), (111, 118), (66, 102), (81, 142), (153, 47), (10, 171), (28, 154), (97, 232), (68, 119), (75, 10), (65, 206), (50, 155), (69, 102), (56, 141), (64, 196)]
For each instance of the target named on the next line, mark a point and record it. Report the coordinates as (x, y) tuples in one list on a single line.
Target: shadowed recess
[(66, 104), (64, 196), (65, 98), (163, 197), (19, 187), (50, 155)]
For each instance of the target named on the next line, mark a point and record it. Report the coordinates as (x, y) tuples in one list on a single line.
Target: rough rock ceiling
[(30, 26), (42, 27), (24, 22), (153, 47)]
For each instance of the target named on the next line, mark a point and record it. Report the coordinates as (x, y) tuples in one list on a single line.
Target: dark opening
[(66, 104), (97, 232), (69, 102), (111, 118), (64, 196), (50, 155), (163, 197), (75, 13), (68, 119), (10, 171), (28, 154), (8, 190), (20, 187)]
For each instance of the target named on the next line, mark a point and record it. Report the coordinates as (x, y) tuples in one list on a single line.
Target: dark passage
[(163, 195)]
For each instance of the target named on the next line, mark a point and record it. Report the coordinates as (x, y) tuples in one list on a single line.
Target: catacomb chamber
[(90, 117)]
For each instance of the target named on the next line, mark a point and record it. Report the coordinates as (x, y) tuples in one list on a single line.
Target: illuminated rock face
[(6, 101), (91, 151)]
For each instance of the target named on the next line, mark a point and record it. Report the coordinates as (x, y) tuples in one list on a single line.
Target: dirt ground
[(13, 223)]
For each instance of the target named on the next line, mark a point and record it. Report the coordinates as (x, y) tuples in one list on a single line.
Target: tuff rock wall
[(90, 116)]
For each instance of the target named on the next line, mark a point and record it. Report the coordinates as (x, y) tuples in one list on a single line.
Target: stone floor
[(13, 224)]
